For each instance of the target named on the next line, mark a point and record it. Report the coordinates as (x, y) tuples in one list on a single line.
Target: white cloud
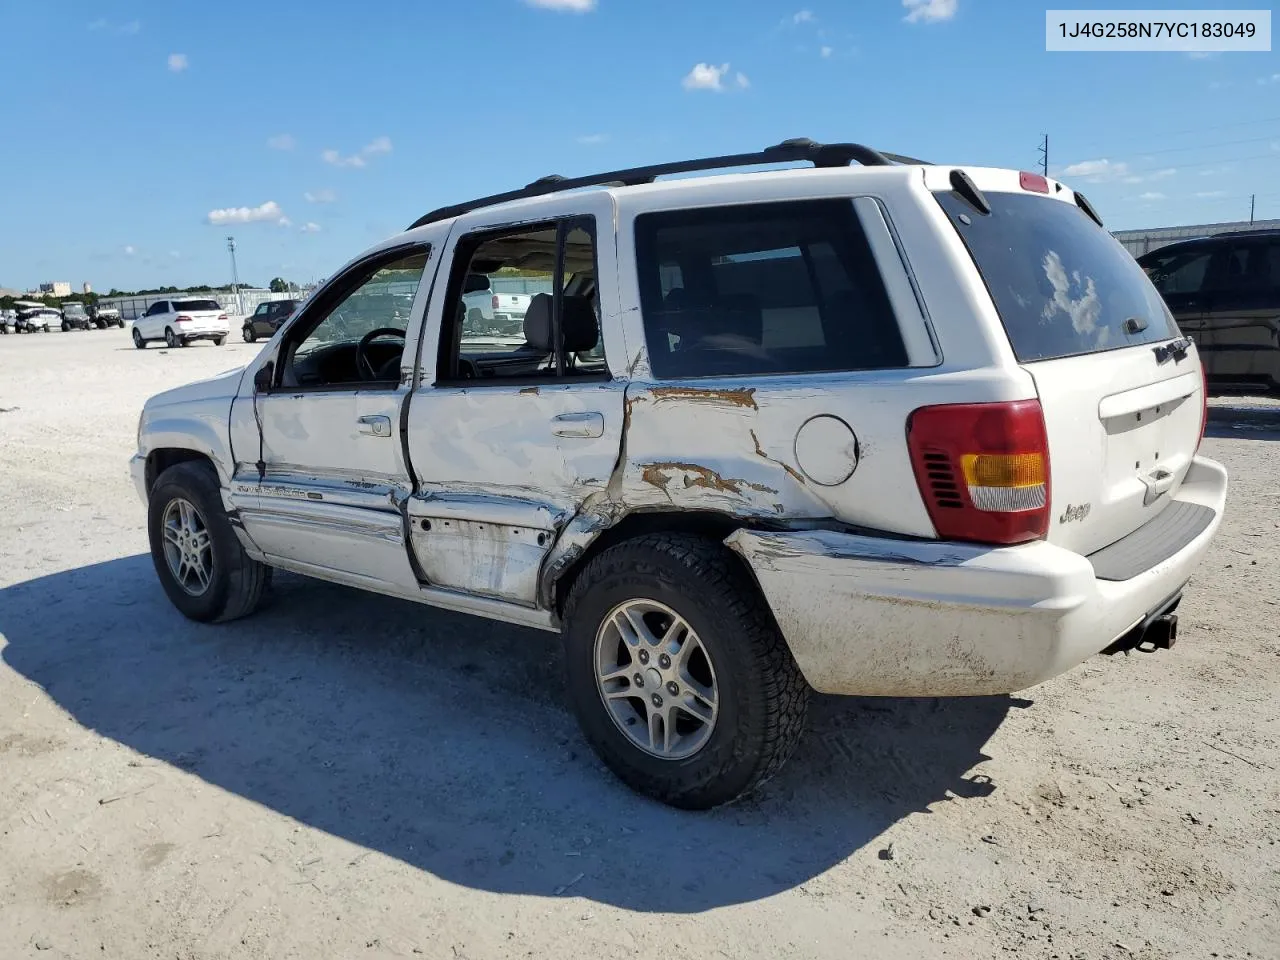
[(267, 212), (284, 222), (124, 29), (1162, 174), (1210, 194), (378, 145), (741, 80), (130, 28), (129, 250), (826, 52), (310, 227), (593, 139), (566, 6), (1097, 170), (1264, 81), (178, 62), (706, 76), (804, 16), (282, 141), (929, 11), (1201, 55), (98, 24), (1151, 195), (320, 196)]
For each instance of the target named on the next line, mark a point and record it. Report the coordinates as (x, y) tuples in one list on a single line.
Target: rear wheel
[(170, 338), (197, 556), (137, 340), (66, 327), (249, 335), (679, 676), (219, 341)]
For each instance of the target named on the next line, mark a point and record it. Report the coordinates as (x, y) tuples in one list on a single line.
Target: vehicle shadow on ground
[(446, 741)]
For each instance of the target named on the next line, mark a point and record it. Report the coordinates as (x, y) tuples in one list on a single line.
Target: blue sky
[(311, 131)]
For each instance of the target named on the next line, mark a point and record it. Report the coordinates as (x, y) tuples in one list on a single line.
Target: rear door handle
[(375, 426), (586, 424)]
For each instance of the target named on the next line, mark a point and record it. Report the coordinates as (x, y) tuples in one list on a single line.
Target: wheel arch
[(162, 458), (574, 557)]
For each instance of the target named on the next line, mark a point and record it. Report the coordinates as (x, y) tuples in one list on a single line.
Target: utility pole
[(1252, 197), (235, 278), (1044, 155)]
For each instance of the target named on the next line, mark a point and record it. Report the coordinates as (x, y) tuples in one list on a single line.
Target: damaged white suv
[(892, 429)]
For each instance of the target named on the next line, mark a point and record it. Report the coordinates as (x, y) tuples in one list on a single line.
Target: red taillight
[(495, 301), (222, 316), (183, 320), (983, 470), (1033, 182)]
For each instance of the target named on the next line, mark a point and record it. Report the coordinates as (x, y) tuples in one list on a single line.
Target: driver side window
[(360, 338)]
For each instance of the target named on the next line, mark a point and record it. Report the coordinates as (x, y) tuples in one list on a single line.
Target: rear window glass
[(763, 288), (194, 305), (1062, 285)]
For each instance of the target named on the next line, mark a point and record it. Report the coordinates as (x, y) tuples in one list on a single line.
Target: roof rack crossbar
[(789, 151)]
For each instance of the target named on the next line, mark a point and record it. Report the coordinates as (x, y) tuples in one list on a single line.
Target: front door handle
[(586, 424), (375, 426)]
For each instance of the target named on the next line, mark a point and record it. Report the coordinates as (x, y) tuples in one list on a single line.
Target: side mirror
[(262, 379)]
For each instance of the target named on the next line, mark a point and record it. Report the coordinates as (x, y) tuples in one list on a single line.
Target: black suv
[(1224, 291), (264, 321)]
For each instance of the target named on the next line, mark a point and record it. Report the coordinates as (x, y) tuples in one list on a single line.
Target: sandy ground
[(348, 776)]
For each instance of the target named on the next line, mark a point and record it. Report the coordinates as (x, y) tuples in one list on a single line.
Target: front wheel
[(170, 338), (197, 556), (137, 340), (248, 334), (677, 672), (45, 328)]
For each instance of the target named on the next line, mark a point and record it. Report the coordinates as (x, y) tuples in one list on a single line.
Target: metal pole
[(1252, 197), (1045, 165), (235, 277)]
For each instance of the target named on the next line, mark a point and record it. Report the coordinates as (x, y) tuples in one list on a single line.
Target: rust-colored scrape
[(532, 390), (736, 397), (696, 475), (791, 471)]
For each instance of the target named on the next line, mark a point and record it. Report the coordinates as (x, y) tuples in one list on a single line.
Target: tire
[(235, 582), (219, 341), (248, 334), (760, 695), (45, 328), (170, 338), (138, 341), (66, 328)]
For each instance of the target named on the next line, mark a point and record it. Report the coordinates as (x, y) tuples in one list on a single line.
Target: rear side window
[(763, 288), (1062, 285), (194, 305)]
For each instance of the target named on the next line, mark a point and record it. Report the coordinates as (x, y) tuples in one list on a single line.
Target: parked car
[(7, 318), (266, 320), (36, 319), (899, 429), (74, 317), (104, 317), (1224, 292), (180, 322)]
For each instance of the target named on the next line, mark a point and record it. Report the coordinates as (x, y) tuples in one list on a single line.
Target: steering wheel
[(364, 366)]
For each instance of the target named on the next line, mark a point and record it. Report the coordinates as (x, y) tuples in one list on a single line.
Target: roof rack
[(789, 151)]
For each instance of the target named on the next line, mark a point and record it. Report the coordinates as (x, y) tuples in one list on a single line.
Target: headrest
[(578, 323)]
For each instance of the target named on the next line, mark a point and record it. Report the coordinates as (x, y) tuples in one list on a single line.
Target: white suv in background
[(178, 322), (895, 429)]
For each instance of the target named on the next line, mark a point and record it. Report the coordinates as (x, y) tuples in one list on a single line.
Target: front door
[(1244, 312), (326, 493), (517, 423)]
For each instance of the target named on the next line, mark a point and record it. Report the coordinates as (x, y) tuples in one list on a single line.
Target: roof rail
[(789, 151)]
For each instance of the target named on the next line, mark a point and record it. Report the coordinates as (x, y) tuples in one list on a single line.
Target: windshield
[(73, 308), (194, 305), (1062, 285)]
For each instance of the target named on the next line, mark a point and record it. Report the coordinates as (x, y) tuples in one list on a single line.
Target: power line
[(1178, 133)]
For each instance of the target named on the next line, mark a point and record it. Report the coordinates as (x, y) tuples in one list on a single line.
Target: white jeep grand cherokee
[(893, 429)]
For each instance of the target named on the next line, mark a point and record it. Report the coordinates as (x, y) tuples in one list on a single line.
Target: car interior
[(467, 354)]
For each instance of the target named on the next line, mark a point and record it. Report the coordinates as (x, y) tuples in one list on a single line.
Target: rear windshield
[(1062, 285), (194, 305)]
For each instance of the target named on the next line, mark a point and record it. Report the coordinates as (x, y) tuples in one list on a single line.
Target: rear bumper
[(875, 617), (201, 331)]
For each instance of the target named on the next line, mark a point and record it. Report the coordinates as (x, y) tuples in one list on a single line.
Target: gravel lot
[(348, 776)]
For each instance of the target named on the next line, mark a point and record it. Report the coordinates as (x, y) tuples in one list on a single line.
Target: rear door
[(1244, 310), (1122, 409)]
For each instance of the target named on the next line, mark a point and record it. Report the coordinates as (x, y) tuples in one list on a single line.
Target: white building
[(88, 287), (57, 288), (1138, 242)]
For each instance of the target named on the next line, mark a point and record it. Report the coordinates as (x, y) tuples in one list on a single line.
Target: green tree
[(279, 285)]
